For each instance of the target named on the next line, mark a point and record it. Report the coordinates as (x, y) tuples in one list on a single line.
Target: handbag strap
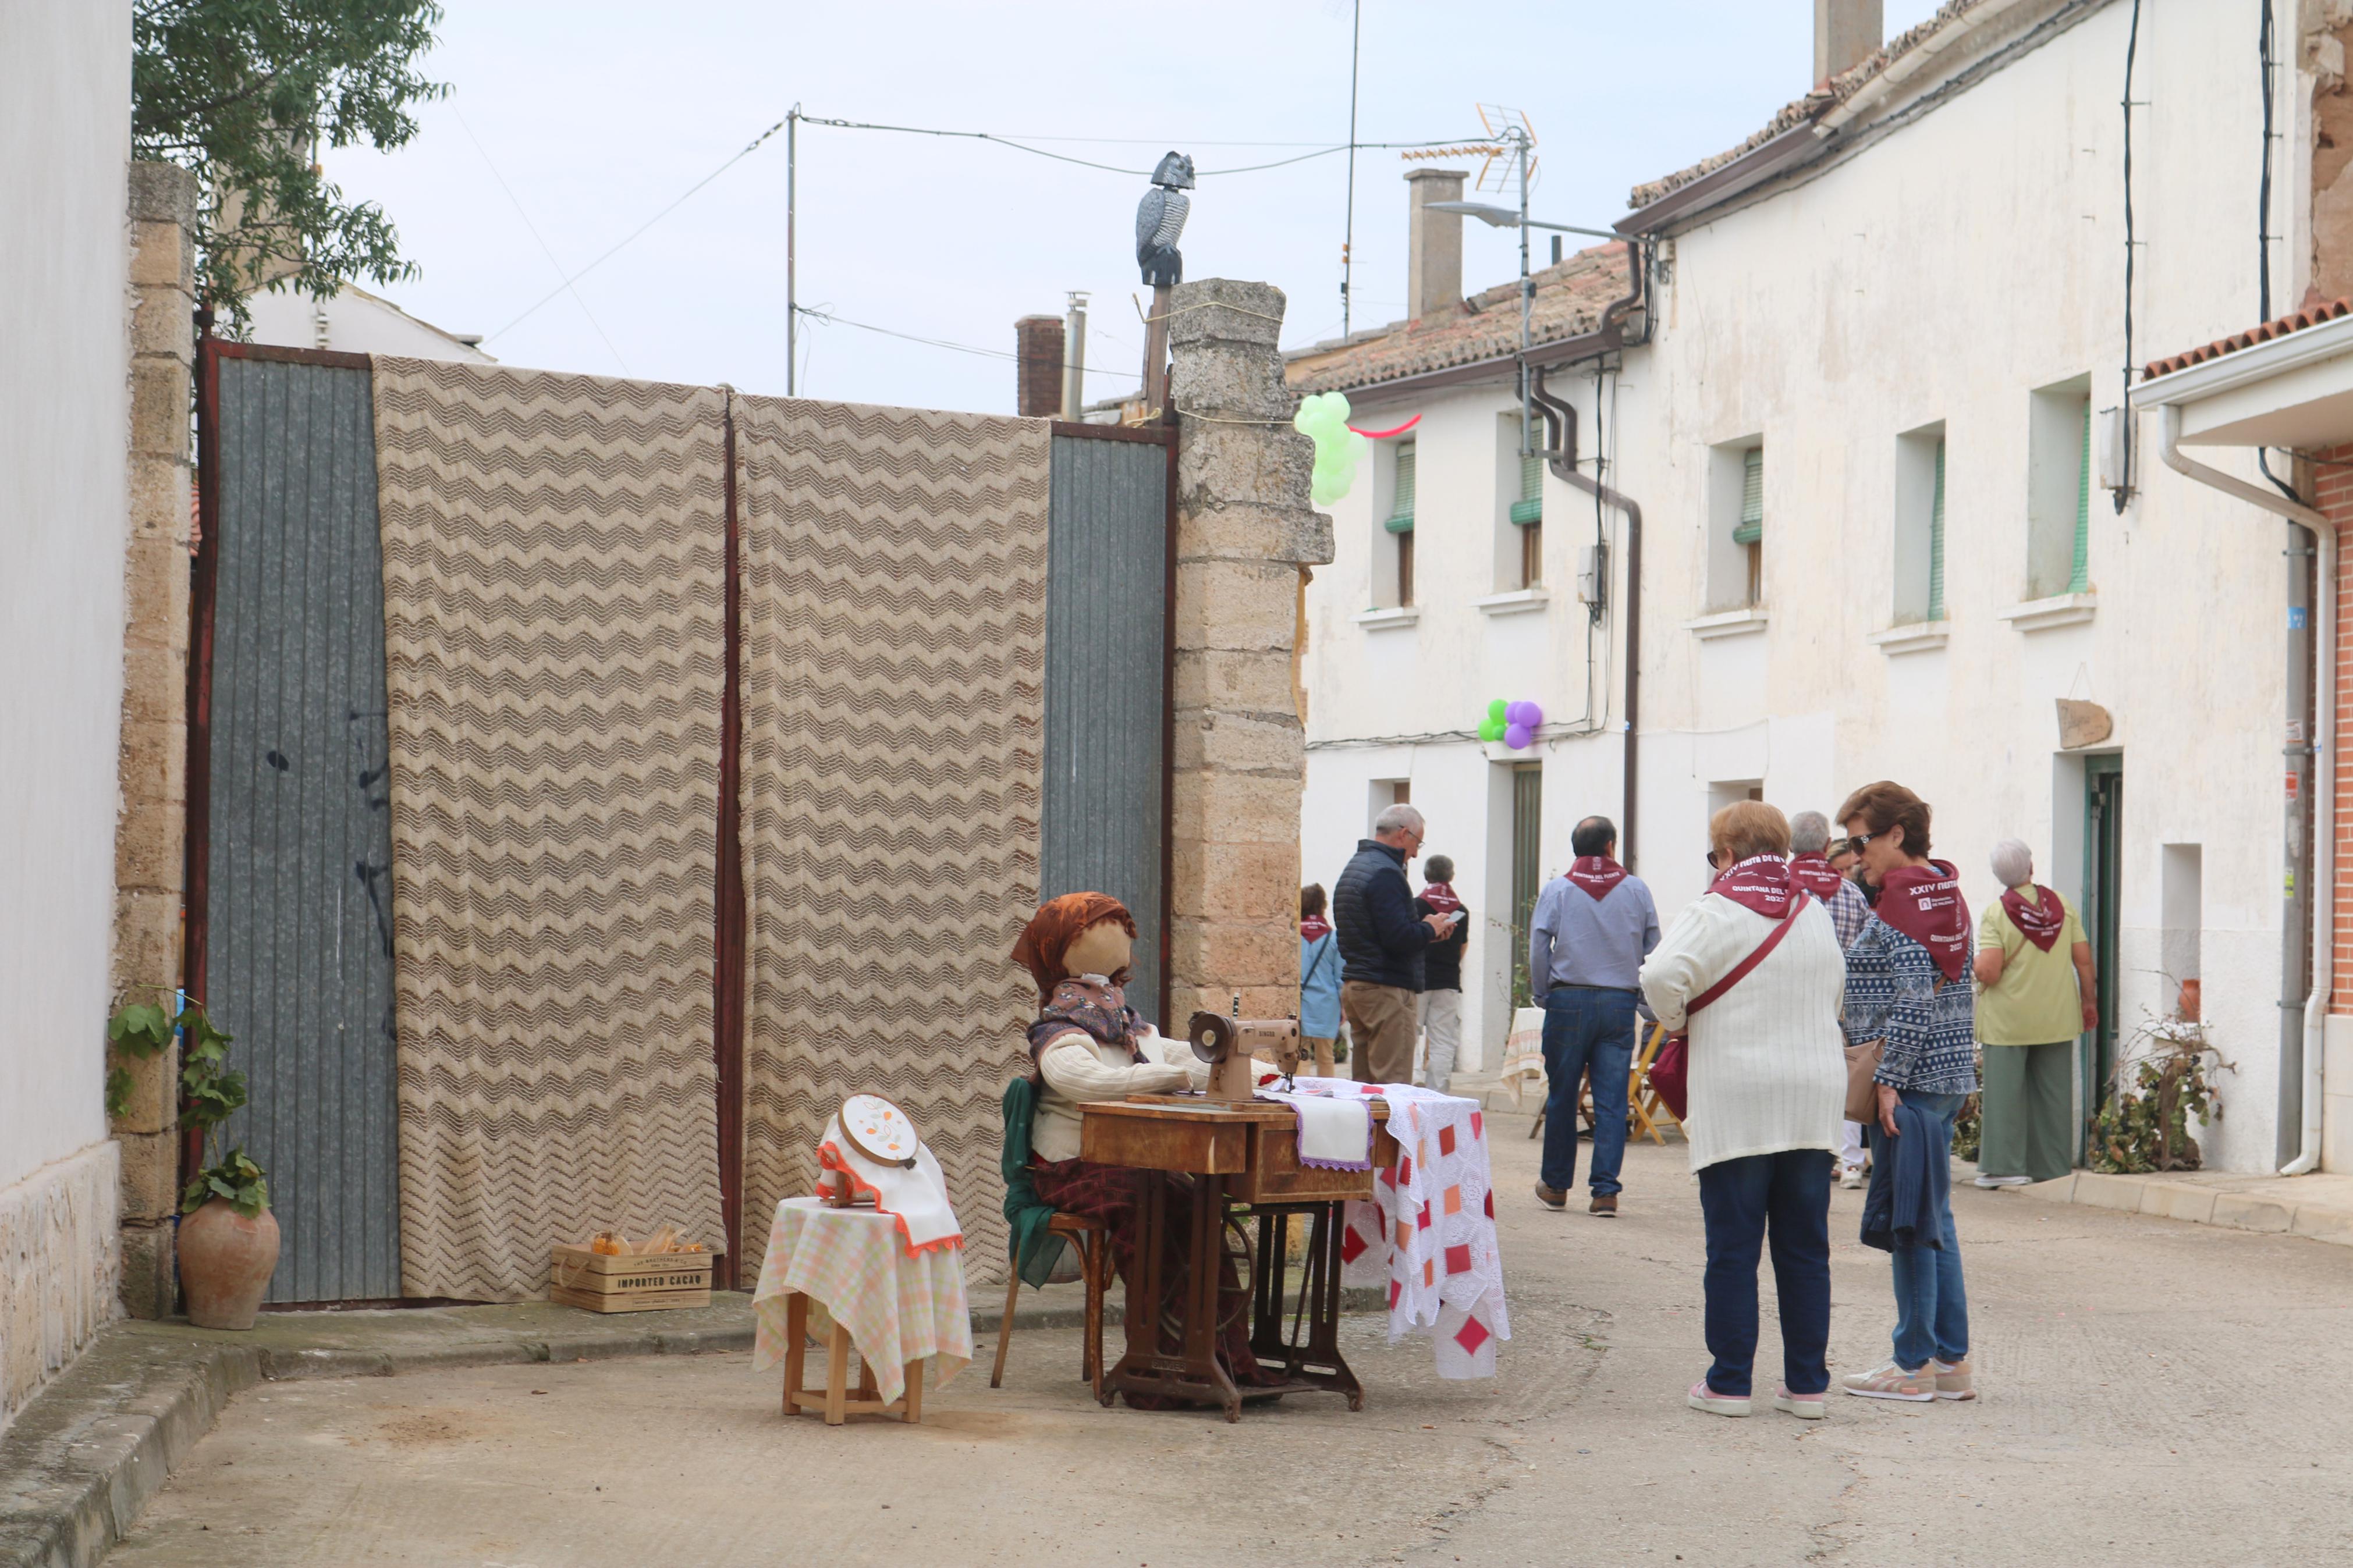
[(1740, 971), (1322, 953)]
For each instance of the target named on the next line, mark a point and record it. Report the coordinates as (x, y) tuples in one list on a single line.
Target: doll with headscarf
[(1089, 1044)]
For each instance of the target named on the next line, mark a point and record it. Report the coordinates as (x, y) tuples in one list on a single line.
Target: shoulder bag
[(1671, 1069)]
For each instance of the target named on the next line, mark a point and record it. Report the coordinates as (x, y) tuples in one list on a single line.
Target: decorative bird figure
[(1160, 222)]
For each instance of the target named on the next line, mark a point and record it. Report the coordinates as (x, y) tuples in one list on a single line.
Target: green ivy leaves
[(235, 1178), (211, 1091)]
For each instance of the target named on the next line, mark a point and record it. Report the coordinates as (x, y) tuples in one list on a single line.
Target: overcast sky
[(583, 120)]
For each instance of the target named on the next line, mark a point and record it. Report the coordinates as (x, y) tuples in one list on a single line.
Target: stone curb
[(79, 1463), (2198, 1204)]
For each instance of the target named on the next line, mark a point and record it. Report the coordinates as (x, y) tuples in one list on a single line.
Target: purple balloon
[(1517, 736), (1534, 717), (1517, 713)]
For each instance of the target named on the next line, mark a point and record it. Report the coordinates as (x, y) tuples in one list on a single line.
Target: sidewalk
[(2319, 1205)]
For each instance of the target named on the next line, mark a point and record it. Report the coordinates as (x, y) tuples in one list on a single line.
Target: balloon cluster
[(1513, 724), (1322, 417)]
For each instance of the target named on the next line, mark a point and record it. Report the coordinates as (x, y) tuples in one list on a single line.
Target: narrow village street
[(2153, 1392)]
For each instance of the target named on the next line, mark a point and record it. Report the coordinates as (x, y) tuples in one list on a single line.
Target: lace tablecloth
[(851, 1265), (1523, 1062)]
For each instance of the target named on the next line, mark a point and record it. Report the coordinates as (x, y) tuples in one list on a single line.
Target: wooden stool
[(833, 1401), (1093, 1241)]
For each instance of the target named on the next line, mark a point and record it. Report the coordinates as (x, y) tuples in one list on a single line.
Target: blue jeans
[(1788, 1195), (1932, 1310), (1587, 1029)]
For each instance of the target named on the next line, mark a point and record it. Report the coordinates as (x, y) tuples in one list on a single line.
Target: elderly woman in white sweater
[(1767, 1090)]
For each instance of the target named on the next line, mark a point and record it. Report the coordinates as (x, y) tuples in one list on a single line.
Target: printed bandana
[(1440, 896), (1761, 882), (1816, 875), (1597, 874), (2039, 923), (1924, 903), (1315, 928)]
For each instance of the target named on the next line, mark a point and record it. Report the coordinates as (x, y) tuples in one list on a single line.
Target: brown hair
[(1747, 827), (1887, 804), (1311, 900)]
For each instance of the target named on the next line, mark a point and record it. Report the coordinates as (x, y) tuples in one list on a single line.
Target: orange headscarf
[(1055, 926)]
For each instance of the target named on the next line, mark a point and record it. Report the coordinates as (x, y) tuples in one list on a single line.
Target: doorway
[(2103, 839), (1528, 869)]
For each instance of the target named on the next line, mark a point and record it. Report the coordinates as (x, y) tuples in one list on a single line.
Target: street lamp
[(1505, 217)]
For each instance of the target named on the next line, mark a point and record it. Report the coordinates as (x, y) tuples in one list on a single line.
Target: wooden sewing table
[(1245, 1153)]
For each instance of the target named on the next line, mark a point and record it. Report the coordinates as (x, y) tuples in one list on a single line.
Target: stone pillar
[(150, 840), (1246, 536)]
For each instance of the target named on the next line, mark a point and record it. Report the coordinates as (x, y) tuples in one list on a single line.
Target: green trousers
[(2027, 1099)]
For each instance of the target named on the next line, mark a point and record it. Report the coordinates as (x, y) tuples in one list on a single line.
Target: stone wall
[(1246, 536), (58, 1257), (149, 844)]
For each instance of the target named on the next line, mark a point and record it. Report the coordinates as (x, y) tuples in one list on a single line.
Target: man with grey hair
[(1810, 866), (1381, 947), (2036, 995)]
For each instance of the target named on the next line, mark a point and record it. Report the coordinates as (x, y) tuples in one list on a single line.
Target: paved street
[(2154, 1393)]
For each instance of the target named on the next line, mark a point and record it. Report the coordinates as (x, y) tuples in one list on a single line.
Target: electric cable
[(2132, 47), (818, 313)]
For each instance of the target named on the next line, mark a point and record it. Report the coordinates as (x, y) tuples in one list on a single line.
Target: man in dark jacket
[(1381, 946)]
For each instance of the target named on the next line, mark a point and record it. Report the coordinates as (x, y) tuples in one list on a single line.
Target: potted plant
[(227, 1237), (2146, 1127)]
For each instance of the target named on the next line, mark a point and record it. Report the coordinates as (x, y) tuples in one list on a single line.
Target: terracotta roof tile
[(1570, 298), (2278, 327), (1815, 104)]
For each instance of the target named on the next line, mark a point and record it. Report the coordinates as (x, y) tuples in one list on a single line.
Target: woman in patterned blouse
[(1908, 985)]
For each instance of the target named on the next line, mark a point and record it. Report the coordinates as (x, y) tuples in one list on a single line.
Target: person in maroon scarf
[(2034, 966), (1442, 975), (1907, 985)]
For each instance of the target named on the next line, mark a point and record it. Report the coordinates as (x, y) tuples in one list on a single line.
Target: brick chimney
[(1433, 281), (1039, 348), (1845, 34)]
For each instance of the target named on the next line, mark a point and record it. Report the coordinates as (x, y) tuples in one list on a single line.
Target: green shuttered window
[(2079, 579), (1936, 540), (1401, 509), (1752, 498), (1529, 508)]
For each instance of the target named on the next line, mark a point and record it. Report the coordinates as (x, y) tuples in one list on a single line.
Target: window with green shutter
[(2079, 578), (1529, 508), (1400, 519), (1936, 540), (1751, 530)]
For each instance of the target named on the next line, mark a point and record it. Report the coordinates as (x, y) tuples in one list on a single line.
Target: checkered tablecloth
[(1429, 1233), (850, 1263)]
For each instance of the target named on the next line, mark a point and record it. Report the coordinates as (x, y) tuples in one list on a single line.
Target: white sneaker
[(1850, 1176), (1991, 1182)]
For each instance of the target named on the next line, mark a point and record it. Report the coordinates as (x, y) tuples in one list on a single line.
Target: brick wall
[(2333, 493), (1039, 341)]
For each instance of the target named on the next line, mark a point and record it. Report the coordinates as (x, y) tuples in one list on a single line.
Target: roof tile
[(2311, 315)]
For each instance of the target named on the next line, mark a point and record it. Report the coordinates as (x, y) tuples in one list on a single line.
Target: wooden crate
[(599, 1282)]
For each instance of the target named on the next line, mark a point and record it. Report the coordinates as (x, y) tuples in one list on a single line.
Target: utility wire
[(566, 284), (818, 315)]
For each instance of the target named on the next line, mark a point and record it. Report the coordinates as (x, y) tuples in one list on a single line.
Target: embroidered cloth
[(1335, 1127), (850, 1264), (1429, 1231), (1523, 1061), (917, 1198)]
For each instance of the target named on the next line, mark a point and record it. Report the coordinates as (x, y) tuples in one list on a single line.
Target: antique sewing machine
[(1231, 1045)]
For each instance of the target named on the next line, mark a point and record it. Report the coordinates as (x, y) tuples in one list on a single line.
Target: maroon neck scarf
[(1924, 903), (1440, 896), (1315, 928), (1816, 875), (2038, 922), (1761, 882), (1597, 874)]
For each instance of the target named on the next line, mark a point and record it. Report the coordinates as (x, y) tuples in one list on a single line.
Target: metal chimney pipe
[(1074, 358)]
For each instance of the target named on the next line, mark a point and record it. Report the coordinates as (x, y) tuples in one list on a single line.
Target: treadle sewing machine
[(1238, 1149)]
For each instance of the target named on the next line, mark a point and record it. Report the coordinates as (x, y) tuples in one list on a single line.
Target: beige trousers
[(1382, 1022)]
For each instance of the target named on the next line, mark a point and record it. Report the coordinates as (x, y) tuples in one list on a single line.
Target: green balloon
[(1496, 715), (1490, 729)]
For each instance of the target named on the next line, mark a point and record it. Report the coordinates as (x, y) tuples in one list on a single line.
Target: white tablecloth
[(851, 1265), (1523, 1062)]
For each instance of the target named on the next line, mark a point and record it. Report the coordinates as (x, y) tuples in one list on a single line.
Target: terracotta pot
[(225, 1262), (2190, 1001)]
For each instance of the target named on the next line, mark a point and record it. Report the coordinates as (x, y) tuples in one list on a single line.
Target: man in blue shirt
[(1592, 928)]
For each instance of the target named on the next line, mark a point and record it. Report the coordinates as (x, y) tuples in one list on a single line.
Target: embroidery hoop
[(849, 1132)]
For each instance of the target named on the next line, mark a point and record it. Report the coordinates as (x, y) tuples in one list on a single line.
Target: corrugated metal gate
[(1104, 820), (291, 933), (296, 953)]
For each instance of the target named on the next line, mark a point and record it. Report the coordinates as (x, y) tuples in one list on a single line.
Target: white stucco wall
[(1943, 274), (64, 95), (356, 321), (1382, 702)]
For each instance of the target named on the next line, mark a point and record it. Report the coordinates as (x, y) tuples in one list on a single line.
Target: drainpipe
[(1560, 455), (2300, 1048)]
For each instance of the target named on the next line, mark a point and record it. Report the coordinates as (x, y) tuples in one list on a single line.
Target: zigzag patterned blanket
[(553, 562)]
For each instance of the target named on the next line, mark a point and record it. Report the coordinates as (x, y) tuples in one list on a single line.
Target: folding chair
[(1641, 1098)]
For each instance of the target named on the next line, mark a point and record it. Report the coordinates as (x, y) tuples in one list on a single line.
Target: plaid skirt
[(1114, 1195)]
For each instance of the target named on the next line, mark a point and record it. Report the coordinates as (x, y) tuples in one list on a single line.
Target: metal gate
[(290, 938), (1104, 820)]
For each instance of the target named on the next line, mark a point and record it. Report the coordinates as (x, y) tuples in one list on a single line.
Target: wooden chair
[(835, 1401), (1644, 1106), (1092, 1240)]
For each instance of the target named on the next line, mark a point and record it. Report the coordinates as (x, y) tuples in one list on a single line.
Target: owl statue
[(1160, 221)]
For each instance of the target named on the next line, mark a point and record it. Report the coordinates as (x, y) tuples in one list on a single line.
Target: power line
[(817, 314), (535, 234)]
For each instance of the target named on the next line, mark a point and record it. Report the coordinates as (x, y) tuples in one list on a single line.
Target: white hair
[(1810, 833), (2013, 863), (1397, 819)]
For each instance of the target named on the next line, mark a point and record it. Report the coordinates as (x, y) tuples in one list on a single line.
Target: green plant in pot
[(229, 1238)]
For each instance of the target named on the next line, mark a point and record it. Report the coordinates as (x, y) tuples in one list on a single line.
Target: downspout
[(2300, 1049), (1560, 455)]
